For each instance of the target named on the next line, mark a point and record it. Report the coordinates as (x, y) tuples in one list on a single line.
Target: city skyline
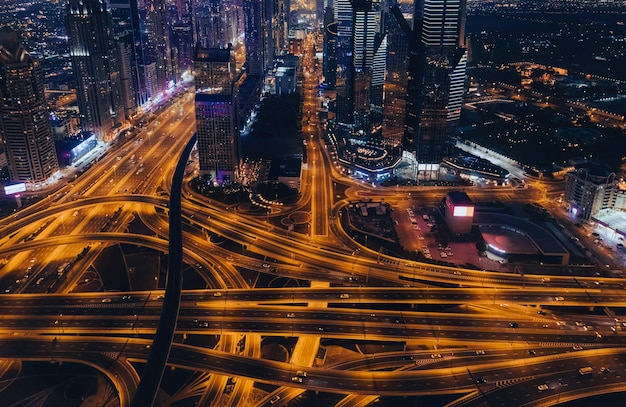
[(324, 203)]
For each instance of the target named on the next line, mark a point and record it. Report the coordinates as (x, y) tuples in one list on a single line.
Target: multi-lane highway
[(405, 328)]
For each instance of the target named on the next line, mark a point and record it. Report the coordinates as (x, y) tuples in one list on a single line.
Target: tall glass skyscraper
[(158, 50), (216, 113), (399, 36), (127, 33), (93, 61), (437, 80), (24, 120)]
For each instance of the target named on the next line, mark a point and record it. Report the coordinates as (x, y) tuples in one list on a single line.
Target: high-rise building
[(399, 36), (126, 30), (216, 113), (343, 57), (329, 64), (253, 15), (258, 35), (128, 92), (280, 25), (24, 120), (93, 61), (438, 76), (158, 45), (360, 50)]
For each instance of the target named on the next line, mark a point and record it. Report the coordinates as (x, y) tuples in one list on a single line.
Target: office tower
[(343, 57), (437, 80), (126, 30), (216, 113), (360, 61), (128, 93), (269, 45), (182, 43), (185, 11), (399, 36), (218, 23), (280, 26), (253, 25), (158, 46), (366, 26), (258, 36), (329, 63), (24, 119), (93, 57)]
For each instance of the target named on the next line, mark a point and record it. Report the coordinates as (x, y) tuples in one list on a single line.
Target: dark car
[(513, 324)]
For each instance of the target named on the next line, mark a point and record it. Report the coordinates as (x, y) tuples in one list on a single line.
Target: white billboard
[(15, 188)]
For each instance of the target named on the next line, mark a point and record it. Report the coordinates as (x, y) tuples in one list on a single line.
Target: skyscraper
[(343, 58), (158, 45), (93, 58), (329, 65), (127, 31), (253, 15), (216, 113), (218, 23), (360, 49), (280, 25), (399, 36), (437, 80), (24, 120)]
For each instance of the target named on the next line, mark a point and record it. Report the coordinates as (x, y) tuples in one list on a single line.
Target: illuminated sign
[(463, 211), (14, 189)]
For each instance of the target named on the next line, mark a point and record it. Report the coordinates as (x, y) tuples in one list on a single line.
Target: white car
[(542, 387)]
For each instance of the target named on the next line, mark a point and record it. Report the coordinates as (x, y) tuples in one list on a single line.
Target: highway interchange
[(479, 337)]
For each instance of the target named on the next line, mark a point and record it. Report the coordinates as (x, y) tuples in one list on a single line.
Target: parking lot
[(422, 229)]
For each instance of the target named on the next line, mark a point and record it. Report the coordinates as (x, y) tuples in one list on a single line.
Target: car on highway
[(577, 347), (296, 379), (291, 315), (559, 299), (542, 387), (106, 300), (480, 352), (275, 399), (217, 294), (513, 324), (436, 356), (301, 373), (344, 296)]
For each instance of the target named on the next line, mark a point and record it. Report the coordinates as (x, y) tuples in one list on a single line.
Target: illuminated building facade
[(396, 80), (459, 213), (329, 63), (216, 113), (253, 22), (592, 189), (437, 80), (158, 46), (24, 119), (126, 33), (94, 64)]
